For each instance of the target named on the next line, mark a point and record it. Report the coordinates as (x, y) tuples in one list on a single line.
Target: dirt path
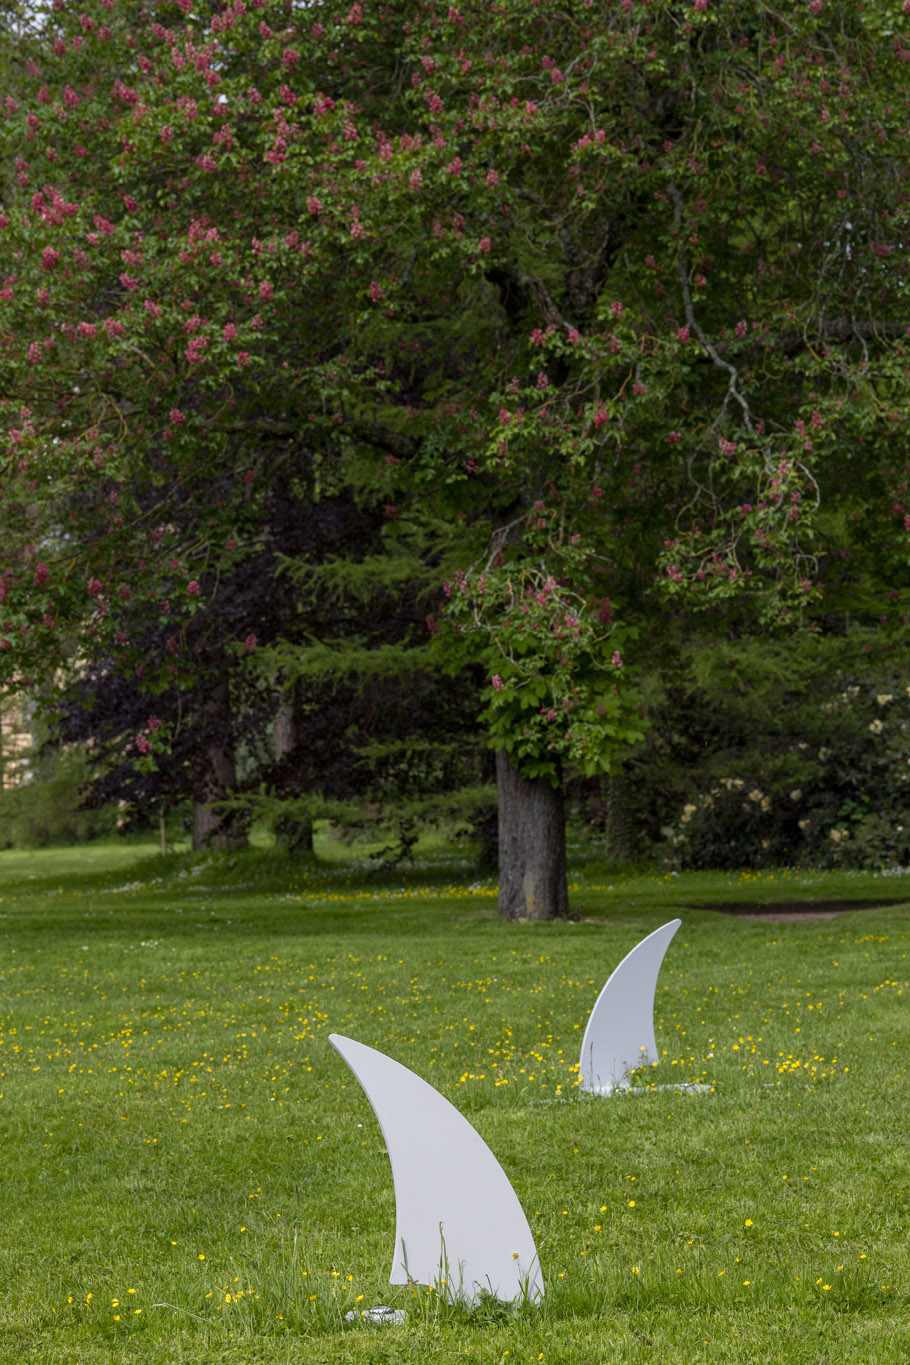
[(794, 910)]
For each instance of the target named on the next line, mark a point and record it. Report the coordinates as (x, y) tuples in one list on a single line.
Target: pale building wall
[(15, 742)]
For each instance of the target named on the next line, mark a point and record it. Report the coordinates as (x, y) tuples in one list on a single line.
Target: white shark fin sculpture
[(458, 1220), (620, 1032)]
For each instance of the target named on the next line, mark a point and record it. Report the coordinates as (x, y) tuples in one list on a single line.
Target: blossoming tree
[(639, 264)]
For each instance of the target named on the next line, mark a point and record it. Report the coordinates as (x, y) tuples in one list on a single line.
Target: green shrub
[(842, 803), (47, 809)]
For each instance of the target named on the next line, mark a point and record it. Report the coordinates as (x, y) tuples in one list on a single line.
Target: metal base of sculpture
[(681, 1087)]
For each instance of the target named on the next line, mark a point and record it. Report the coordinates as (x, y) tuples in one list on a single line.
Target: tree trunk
[(533, 884), (210, 828), (293, 832), (617, 825), (285, 729)]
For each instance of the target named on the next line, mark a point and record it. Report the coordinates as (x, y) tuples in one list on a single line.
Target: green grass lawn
[(190, 1172)]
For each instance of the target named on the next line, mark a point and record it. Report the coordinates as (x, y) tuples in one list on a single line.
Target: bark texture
[(532, 846), (210, 828), (293, 832)]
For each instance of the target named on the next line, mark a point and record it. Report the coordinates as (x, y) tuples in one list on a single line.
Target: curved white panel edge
[(458, 1220), (620, 1032)]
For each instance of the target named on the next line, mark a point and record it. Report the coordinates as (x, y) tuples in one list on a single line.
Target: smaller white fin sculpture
[(620, 1032), (458, 1220)]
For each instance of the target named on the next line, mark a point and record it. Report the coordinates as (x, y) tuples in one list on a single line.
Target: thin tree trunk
[(210, 828), (618, 827), (295, 833), (162, 831), (533, 883), (285, 729)]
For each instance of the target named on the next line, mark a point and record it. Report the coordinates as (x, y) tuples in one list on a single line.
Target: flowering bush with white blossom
[(851, 808)]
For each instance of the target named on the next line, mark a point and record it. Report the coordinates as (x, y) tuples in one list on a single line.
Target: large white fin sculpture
[(620, 1032), (458, 1220)]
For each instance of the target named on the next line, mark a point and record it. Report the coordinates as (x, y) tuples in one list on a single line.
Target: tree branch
[(692, 323)]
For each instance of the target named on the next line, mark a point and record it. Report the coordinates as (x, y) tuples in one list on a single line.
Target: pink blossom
[(674, 438), (230, 332), (42, 574), (497, 682), (49, 258), (682, 333), (249, 643), (485, 245), (193, 588), (143, 744), (376, 291), (616, 660), (95, 588), (244, 358), (194, 352)]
